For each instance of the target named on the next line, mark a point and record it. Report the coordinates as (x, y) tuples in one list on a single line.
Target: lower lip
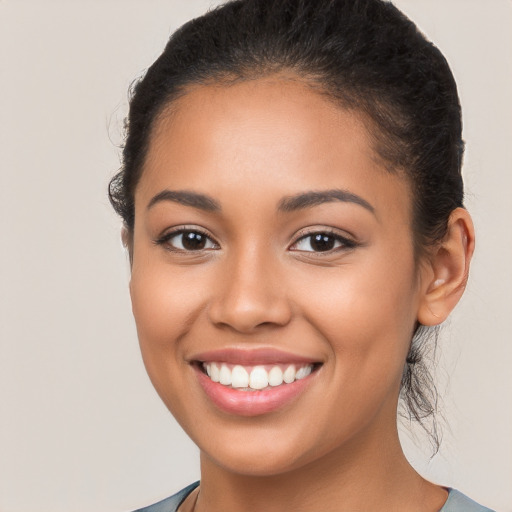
[(251, 403)]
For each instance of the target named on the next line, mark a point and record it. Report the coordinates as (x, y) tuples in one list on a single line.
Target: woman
[(293, 209)]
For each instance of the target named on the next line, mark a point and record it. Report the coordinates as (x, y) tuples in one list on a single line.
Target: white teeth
[(225, 375), (214, 371), (239, 377), (257, 377), (275, 376), (289, 374), (303, 372)]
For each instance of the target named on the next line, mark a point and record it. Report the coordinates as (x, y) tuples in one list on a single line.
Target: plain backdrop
[(81, 428)]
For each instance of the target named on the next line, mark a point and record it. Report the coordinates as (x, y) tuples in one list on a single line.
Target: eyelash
[(167, 237), (344, 242)]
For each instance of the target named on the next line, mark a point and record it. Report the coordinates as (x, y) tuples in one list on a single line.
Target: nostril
[(249, 316)]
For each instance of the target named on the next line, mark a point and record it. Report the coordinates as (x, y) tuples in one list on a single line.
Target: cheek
[(165, 305), (367, 313), (365, 318)]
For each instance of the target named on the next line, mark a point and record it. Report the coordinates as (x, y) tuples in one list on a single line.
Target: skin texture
[(353, 308)]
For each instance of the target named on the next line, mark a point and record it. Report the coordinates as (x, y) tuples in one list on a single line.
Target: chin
[(258, 451), (256, 462)]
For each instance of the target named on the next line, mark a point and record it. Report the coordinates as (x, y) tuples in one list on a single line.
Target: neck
[(366, 474)]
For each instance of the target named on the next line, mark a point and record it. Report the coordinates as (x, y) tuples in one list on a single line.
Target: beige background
[(81, 429)]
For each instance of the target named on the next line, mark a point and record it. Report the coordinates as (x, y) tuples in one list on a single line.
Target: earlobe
[(448, 270)]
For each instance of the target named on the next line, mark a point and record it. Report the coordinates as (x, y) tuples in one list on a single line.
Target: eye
[(187, 240), (321, 242)]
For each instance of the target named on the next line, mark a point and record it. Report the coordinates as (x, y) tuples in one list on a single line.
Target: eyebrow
[(315, 198), (187, 198), (287, 204)]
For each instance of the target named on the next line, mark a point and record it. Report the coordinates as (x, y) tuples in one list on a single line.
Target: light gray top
[(456, 502)]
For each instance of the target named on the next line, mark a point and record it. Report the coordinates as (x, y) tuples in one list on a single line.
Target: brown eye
[(193, 241), (321, 242), (187, 240)]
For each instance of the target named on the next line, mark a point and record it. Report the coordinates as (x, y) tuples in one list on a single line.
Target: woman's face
[(268, 239)]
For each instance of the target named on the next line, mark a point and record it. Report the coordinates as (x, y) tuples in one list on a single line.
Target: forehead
[(278, 114), (269, 135)]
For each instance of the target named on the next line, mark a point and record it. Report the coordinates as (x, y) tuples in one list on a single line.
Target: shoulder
[(172, 503), (458, 502)]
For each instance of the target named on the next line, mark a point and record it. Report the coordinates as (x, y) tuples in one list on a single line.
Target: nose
[(250, 295)]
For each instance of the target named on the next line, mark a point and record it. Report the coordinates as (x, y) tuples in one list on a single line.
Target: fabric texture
[(456, 502), (170, 504)]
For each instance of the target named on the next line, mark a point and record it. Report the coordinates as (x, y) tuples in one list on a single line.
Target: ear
[(447, 271), (127, 239)]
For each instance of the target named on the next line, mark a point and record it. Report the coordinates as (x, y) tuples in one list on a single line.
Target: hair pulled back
[(365, 55)]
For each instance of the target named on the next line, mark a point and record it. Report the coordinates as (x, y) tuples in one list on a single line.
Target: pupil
[(193, 241), (322, 242)]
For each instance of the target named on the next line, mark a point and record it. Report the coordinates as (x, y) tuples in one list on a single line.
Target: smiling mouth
[(258, 377)]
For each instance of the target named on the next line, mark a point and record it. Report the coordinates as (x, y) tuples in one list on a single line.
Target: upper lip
[(251, 357)]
